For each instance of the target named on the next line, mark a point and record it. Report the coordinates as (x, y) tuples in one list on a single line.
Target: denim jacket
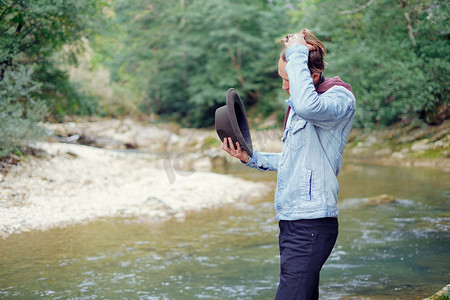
[(313, 142)]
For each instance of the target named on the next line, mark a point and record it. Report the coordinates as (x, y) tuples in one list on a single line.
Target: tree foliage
[(395, 54), (31, 32), (186, 54), (19, 109), (179, 57), (183, 55)]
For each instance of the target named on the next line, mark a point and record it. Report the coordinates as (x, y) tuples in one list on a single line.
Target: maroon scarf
[(323, 85)]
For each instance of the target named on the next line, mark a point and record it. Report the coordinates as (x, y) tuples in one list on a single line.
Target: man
[(317, 125)]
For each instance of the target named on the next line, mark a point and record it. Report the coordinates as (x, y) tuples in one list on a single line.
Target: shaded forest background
[(175, 59)]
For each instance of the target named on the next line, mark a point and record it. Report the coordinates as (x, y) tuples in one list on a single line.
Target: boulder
[(381, 199)]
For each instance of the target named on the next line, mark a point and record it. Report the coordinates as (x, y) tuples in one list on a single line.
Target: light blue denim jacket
[(313, 142)]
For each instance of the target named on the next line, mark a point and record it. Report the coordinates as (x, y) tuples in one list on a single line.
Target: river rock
[(421, 146), (371, 140), (267, 140), (105, 142), (172, 142), (203, 163), (383, 152), (381, 199), (190, 162), (217, 158), (444, 293), (398, 155)]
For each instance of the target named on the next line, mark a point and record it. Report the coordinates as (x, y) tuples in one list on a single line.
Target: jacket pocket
[(298, 137), (305, 185)]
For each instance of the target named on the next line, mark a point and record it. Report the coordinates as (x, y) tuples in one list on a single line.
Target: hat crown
[(231, 121)]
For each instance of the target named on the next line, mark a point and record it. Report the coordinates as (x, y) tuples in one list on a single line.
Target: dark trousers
[(304, 247)]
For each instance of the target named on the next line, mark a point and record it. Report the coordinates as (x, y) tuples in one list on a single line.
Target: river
[(395, 250)]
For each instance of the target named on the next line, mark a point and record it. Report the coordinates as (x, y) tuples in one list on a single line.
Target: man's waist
[(304, 213)]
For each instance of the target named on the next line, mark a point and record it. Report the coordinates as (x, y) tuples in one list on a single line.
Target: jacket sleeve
[(324, 110), (264, 161)]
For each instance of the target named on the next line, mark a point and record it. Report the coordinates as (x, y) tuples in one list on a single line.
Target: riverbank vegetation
[(175, 59)]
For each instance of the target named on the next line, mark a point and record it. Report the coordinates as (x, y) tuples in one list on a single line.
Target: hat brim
[(231, 121)]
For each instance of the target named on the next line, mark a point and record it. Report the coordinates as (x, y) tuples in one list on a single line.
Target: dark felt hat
[(231, 121)]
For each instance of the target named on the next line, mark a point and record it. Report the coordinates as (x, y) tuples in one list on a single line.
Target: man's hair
[(315, 57)]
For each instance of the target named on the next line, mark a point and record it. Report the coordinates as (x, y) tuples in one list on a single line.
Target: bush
[(20, 111)]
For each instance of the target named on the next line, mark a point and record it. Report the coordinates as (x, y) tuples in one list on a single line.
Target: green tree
[(19, 109), (395, 54), (31, 32), (186, 54)]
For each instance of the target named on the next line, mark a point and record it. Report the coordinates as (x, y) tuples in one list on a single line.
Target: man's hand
[(228, 146), (298, 39)]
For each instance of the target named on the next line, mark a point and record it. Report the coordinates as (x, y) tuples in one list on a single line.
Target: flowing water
[(395, 250)]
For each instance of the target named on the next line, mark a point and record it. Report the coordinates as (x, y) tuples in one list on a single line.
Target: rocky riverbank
[(420, 146), (71, 182), (406, 145), (86, 170)]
